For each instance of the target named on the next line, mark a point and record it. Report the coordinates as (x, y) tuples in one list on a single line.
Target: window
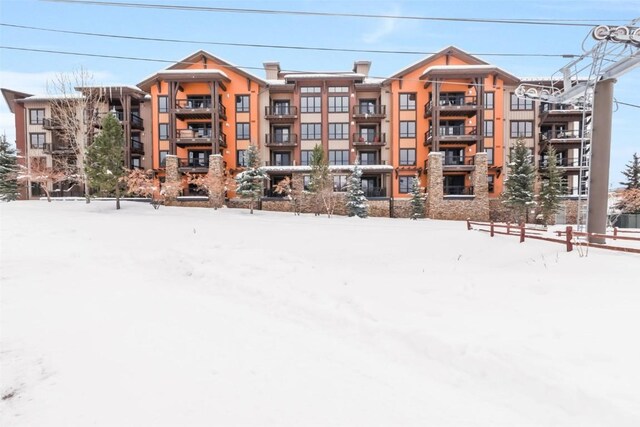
[(282, 135), (163, 131), (338, 130), (488, 128), (242, 131), (405, 184), (242, 103), (489, 155), (408, 129), (488, 100), (306, 182), (310, 104), (36, 116), (163, 158), (310, 89), (407, 157), (240, 159), (521, 129), (338, 104), (281, 159), (37, 140), (491, 179), (407, 101), (339, 89), (163, 104), (518, 103), (368, 158), (311, 130), (135, 162), (305, 157), (281, 108), (339, 183), (338, 157)]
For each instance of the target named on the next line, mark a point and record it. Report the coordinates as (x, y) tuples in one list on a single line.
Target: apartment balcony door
[(281, 158), (281, 107), (367, 134), (368, 158), (199, 158), (281, 135), (367, 106), (454, 156)]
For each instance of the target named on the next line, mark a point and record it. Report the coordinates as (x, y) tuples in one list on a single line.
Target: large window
[(338, 130), (338, 104), (37, 140), (490, 159), (488, 128), (163, 131), (368, 158), (338, 157), (240, 159), (305, 157), (521, 129), (163, 158), (405, 184), (36, 116), (310, 89), (163, 104), (339, 89), (281, 159), (491, 179), (518, 103), (242, 103), (488, 100), (408, 129), (407, 101), (339, 183), (311, 130), (407, 157), (310, 104), (243, 131)]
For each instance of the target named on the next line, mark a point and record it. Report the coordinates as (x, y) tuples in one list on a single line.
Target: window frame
[(240, 158), (160, 127), (333, 157), (520, 104), (407, 105), (405, 161), (342, 135), (333, 107), (243, 108), (162, 162), (316, 135), (306, 108), (166, 100), (407, 187), (486, 96), (37, 134), (484, 129), (39, 120), (407, 133), (307, 154), (243, 131), (527, 123)]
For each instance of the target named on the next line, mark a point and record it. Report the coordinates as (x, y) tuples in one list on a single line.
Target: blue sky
[(28, 71)]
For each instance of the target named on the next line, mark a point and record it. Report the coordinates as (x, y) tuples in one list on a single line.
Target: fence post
[(521, 232), (508, 228), (569, 238), (615, 232), (468, 224), (491, 228)]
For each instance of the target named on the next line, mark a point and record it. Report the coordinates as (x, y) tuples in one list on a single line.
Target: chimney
[(362, 67), (272, 70)]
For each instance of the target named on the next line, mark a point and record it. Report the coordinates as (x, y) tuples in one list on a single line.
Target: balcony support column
[(173, 175), (216, 175), (215, 117), (126, 125)]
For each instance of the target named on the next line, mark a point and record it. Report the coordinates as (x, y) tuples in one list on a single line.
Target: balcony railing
[(193, 104), (563, 163), (136, 121), (280, 111), (452, 104), (56, 147), (446, 131), (193, 162), (457, 160), (51, 124), (137, 147), (559, 134), (572, 191), (193, 133), (280, 140), (546, 107), (371, 192), (222, 139), (457, 190), (369, 111), (369, 138)]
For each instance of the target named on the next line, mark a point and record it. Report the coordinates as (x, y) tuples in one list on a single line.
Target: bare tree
[(141, 183), (39, 173), (285, 187), (75, 116)]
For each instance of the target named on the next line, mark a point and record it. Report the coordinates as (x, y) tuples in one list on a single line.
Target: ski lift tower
[(587, 82)]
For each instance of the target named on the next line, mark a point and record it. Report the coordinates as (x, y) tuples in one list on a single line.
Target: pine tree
[(249, 181), (105, 155), (8, 171), (632, 172), (518, 191), (551, 187), (356, 201), (321, 182), (417, 199)]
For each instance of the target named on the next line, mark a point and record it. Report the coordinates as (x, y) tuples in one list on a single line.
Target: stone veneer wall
[(216, 172), (475, 208)]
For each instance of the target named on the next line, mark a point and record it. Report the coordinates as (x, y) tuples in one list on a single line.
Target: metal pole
[(600, 159)]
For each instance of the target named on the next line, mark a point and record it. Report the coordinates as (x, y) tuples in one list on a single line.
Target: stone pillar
[(480, 187), (434, 183), (216, 176), (172, 175)]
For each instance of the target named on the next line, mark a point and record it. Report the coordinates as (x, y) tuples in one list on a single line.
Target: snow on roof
[(373, 80), (194, 71), (50, 97), (276, 82), (326, 75), (457, 67)]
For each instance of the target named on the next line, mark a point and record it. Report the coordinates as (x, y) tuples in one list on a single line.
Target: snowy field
[(195, 317)]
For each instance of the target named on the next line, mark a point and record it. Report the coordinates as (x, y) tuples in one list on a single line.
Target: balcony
[(194, 136), (222, 140), (457, 190), (52, 124), (364, 113), (137, 147), (369, 139), (197, 165), (561, 112), (451, 134), (136, 122), (453, 106), (458, 163), (568, 165), (201, 108), (568, 139), (373, 192), (281, 140), (57, 147), (281, 113)]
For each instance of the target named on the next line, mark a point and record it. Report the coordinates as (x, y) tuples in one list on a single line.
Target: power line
[(269, 46), (547, 22), (627, 104)]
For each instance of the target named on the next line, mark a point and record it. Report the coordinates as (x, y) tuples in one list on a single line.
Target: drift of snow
[(194, 317)]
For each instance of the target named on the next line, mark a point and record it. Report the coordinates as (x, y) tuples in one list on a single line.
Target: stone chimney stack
[(362, 67), (272, 70)]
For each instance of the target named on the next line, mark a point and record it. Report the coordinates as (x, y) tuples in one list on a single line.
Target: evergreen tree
[(8, 171), (518, 187), (632, 172), (551, 187), (356, 201), (104, 167), (249, 181), (417, 199), (321, 182)]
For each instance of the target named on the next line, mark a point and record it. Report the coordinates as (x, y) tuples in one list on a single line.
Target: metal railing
[(53, 123), (560, 134), (136, 120), (281, 110), (457, 130), (194, 103), (457, 101), (137, 147), (369, 110), (546, 107), (369, 138), (457, 160), (457, 190), (281, 139), (222, 139), (567, 163), (193, 133), (375, 192), (193, 162)]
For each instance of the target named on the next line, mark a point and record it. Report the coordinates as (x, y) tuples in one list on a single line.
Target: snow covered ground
[(195, 317)]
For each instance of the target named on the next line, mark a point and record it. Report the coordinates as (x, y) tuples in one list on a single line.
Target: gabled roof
[(190, 60), (12, 95), (450, 50), (467, 70)]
